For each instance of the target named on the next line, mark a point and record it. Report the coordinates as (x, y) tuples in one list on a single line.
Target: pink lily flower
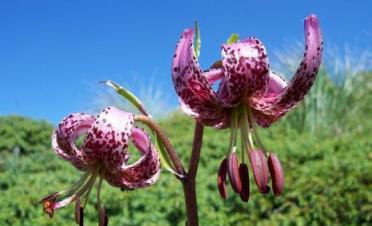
[(249, 93), (103, 156)]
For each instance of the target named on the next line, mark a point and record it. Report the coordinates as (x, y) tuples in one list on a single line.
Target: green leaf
[(127, 95), (233, 38), (197, 42), (164, 158)]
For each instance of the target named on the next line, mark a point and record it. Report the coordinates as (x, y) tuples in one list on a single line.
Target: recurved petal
[(64, 137), (214, 74), (140, 139), (304, 78), (276, 84), (190, 83), (214, 118), (143, 172), (246, 70), (107, 140), (275, 88)]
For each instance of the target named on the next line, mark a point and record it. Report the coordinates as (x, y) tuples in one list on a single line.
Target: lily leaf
[(164, 158), (197, 42), (127, 95), (233, 38)]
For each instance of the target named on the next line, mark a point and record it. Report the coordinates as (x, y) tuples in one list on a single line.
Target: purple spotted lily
[(103, 156), (249, 93)]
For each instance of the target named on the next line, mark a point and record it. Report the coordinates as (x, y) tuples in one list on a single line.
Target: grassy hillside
[(328, 180)]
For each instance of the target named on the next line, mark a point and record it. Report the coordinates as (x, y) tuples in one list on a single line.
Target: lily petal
[(140, 139), (190, 83), (107, 140), (217, 122), (142, 173), (270, 109), (276, 84), (214, 74), (246, 71), (64, 137)]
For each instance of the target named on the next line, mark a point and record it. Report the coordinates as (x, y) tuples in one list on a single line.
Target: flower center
[(242, 121)]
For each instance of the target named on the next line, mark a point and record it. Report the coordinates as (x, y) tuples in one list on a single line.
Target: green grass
[(328, 182)]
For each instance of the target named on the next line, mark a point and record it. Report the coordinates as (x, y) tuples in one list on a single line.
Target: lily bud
[(244, 176), (260, 170), (277, 174), (221, 179), (233, 172)]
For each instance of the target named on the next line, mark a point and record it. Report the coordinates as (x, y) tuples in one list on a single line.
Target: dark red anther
[(277, 174), (260, 170), (48, 206), (233, 172), (244, 177), (221, 179)]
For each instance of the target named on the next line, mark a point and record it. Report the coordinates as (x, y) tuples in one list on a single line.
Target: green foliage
[(334, 106), (23, 135), (340, 96), (328, 180)]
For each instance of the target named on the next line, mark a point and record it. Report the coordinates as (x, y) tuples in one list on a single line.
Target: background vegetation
[(325, 147)]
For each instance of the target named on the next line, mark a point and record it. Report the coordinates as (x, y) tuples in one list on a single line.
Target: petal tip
[(312, 20)]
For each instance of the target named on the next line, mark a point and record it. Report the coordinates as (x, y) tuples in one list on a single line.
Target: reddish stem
[(188, 182)]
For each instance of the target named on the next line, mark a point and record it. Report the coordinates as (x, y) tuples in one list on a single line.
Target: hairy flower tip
[(233, 172), (221, 179), (244, 176), (277, 174), (260, 170)]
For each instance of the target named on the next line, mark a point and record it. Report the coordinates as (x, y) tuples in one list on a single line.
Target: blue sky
[(53, 53)]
